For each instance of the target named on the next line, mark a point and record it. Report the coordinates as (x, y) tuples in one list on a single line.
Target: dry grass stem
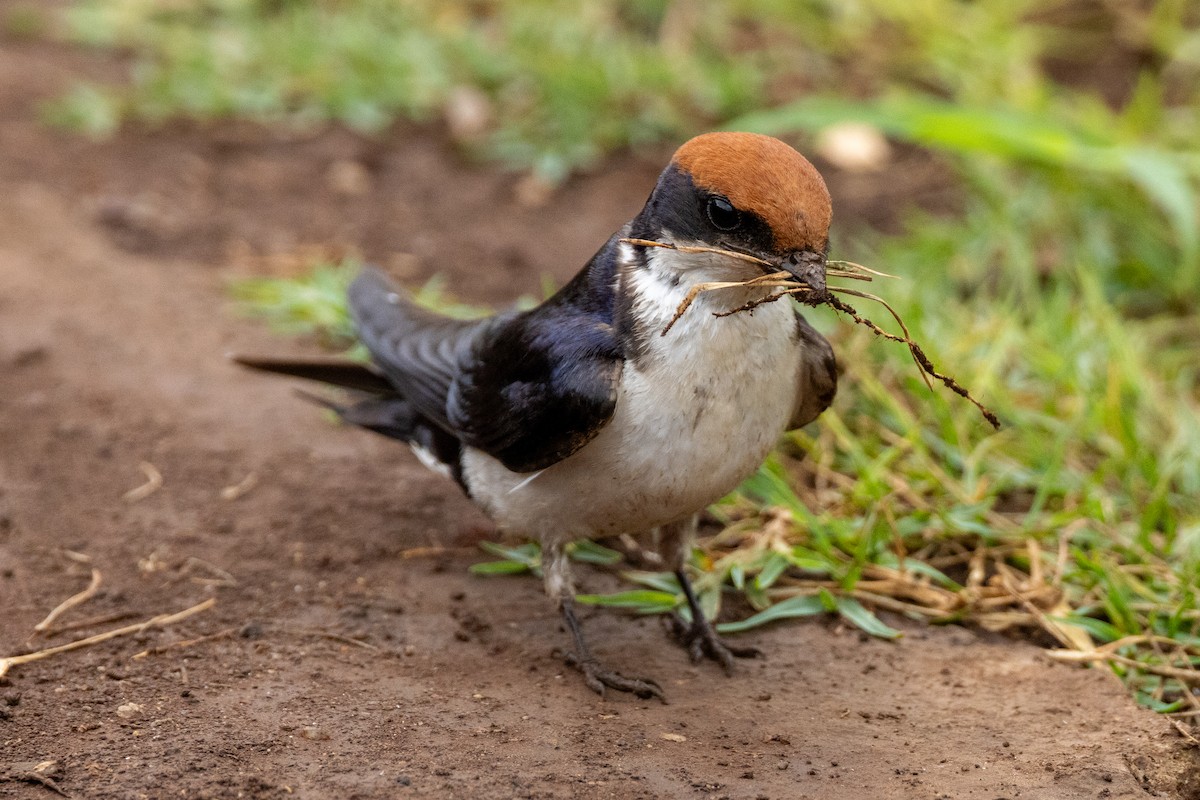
[(432, 551), (786, 282), (36, 775), (240, 488), (1069, 636), (90, 622), (917, 353), (1186, 676), (153, 651), (1036, 575), (72, 601), (860, 268), (1185, 733), (154, 482), (770, 280), (335, 637), (161, 621), (892, 604), (683, 248), (223, 577)]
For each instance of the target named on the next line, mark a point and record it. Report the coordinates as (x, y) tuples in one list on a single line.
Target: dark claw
[(701, 640), (700, 637), (594, 674), (597, 677)]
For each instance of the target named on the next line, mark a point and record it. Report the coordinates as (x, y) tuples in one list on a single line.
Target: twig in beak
[(787, 282), (861, 268), (918, 355), (841, 273), (771, 298), (774, 279), (907, 337), (686, 248)]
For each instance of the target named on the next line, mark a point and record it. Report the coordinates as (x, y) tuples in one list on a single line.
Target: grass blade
[(857, 615), (801, 606)]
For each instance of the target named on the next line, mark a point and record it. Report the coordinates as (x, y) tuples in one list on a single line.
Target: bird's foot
[(599, 678), (700, 639)]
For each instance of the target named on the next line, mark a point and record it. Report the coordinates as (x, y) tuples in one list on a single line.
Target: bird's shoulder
[(544, 383)]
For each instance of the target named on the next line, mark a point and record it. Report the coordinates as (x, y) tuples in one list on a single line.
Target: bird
[(582, 418)]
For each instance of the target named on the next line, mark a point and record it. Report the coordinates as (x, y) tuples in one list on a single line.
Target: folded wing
[(528, 389), (816, 383)]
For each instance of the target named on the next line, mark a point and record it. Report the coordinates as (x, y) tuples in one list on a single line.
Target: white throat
[(660, 286)]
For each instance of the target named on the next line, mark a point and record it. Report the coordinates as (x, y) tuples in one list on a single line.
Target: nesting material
[(788, 286)]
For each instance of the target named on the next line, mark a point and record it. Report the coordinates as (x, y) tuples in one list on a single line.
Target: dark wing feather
[(528, 389), (817, 381), (419, 351), (545, 383), (541, 390)]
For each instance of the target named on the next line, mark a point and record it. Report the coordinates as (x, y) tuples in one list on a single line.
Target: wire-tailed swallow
[(580, 418)]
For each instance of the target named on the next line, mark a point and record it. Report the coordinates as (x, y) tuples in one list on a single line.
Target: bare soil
[(345, 660)]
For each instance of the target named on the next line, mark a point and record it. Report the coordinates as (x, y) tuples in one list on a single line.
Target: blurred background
[(1029, 169)]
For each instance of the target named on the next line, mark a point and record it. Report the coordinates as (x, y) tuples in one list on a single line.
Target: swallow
[(581, 418)]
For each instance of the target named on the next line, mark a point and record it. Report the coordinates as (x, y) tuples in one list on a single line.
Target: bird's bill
[(808, 267)]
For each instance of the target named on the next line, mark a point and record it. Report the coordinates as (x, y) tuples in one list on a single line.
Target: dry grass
[(788, 286), (49, 625)]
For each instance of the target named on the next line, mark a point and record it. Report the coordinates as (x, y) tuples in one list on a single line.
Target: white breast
[(696, 413)]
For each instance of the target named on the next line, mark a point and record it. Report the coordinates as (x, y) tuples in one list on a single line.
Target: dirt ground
[(340, 663)]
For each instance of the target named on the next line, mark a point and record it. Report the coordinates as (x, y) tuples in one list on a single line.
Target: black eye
[(722, 213)]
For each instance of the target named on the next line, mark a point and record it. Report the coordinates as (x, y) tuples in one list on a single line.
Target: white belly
[(694, 417)]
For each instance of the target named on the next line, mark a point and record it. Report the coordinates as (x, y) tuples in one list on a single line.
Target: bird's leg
[(557, 573), (595, 674), (698, 636)]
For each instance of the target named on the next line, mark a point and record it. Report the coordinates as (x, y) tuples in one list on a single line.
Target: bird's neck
[(663, 278), (656, 282)]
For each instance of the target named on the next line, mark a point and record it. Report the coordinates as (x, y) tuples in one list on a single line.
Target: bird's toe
[(599, 678), (702, 641)]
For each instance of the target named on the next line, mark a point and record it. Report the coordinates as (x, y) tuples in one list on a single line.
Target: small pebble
[(128, 710)]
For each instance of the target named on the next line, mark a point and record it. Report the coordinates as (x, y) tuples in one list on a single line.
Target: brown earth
[(342, 664)]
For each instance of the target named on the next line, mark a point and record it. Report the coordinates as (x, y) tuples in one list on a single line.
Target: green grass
[(314, 303), (564, 82), (1064, 291)]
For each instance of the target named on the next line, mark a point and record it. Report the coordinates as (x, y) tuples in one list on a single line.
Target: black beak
[(808, 267)]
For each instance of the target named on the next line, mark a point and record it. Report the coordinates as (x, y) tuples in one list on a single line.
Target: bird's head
[(744, 192)]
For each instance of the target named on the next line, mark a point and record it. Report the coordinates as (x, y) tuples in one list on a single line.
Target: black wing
[(542, 390), (817, 381), (421, 353), (528, 389)]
